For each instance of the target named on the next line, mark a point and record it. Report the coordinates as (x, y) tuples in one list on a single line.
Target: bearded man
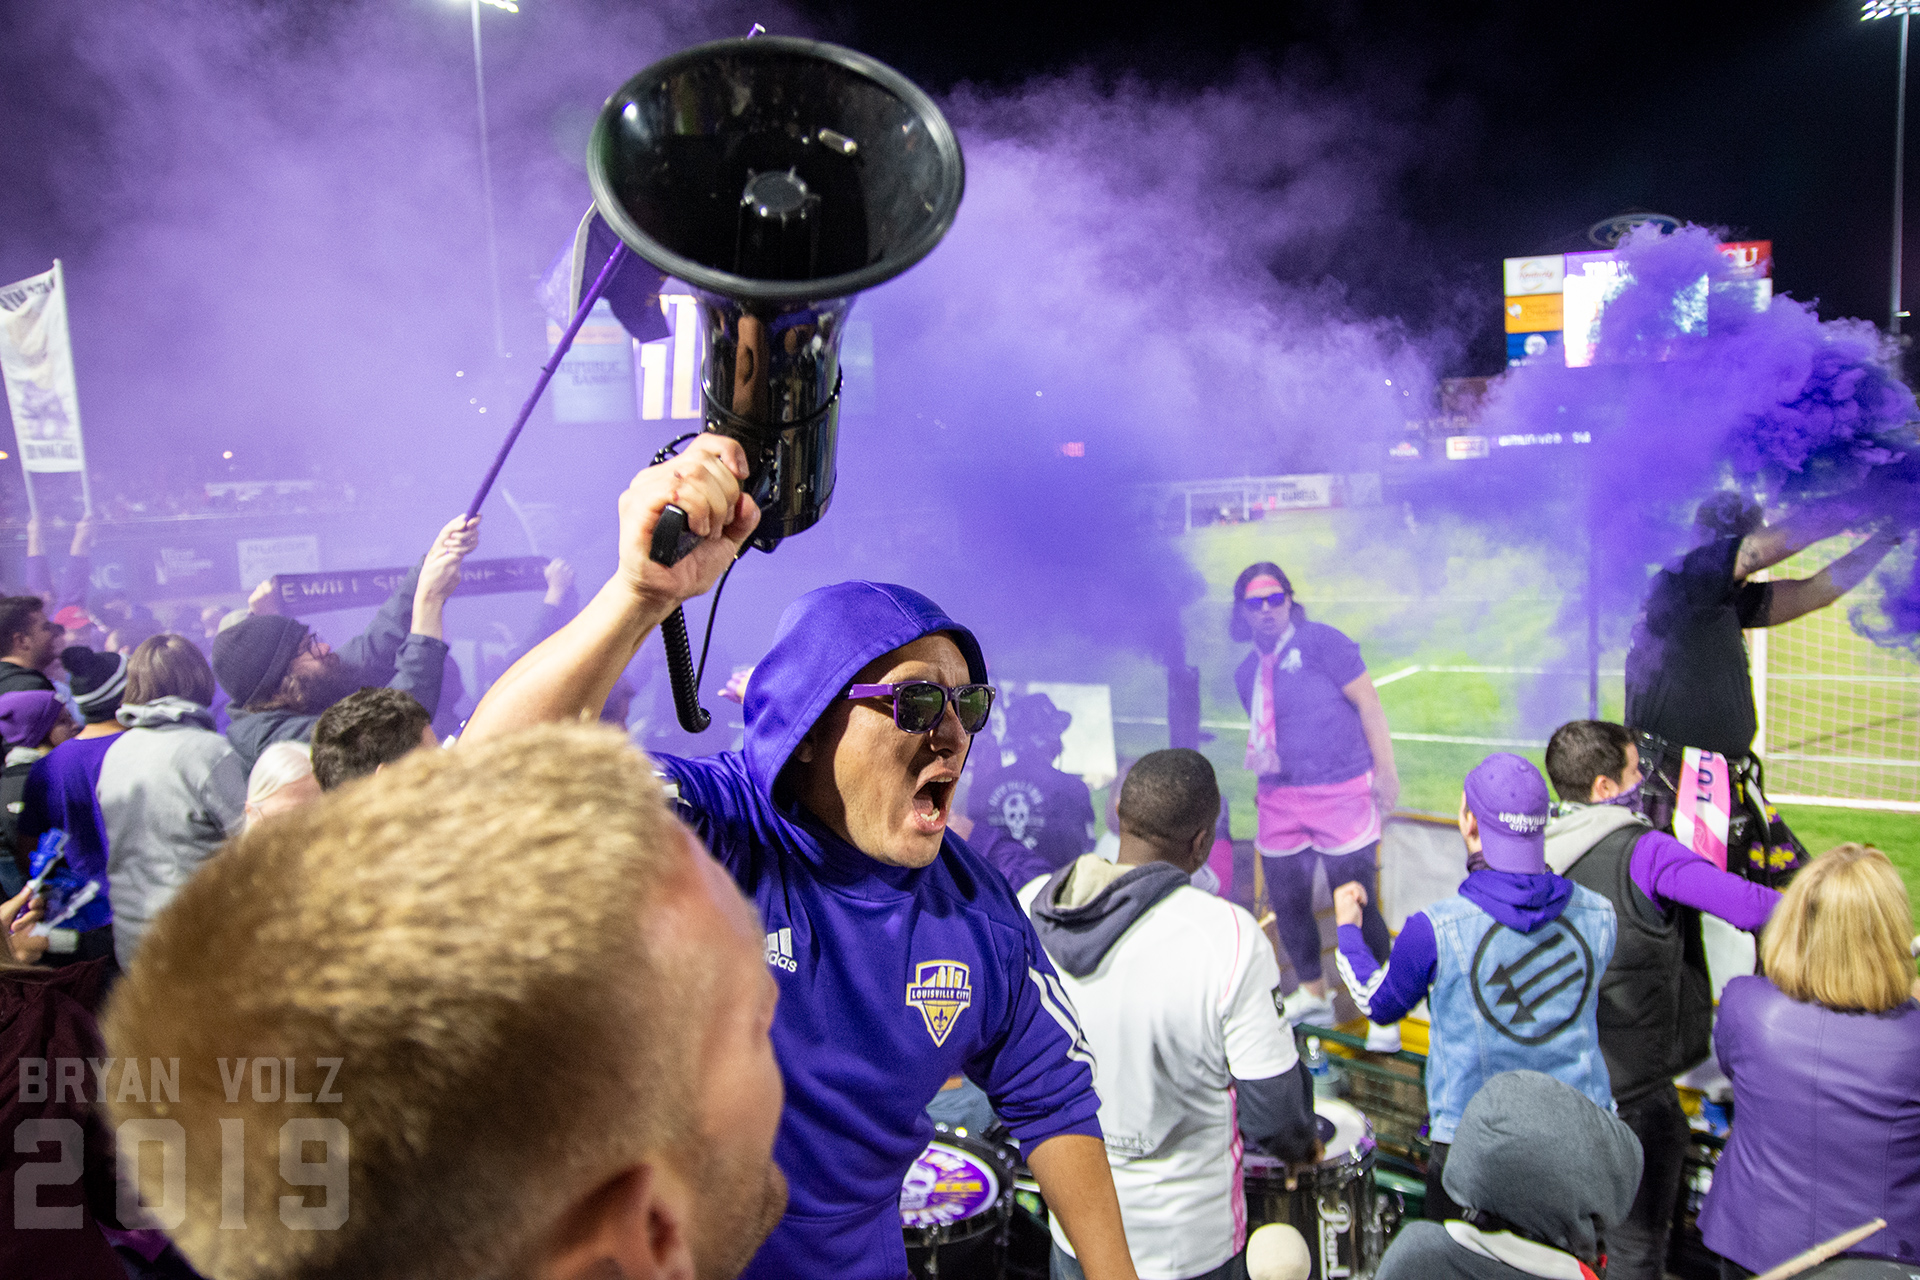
[(280, 677)]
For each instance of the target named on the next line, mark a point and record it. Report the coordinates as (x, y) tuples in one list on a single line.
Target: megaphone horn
[(778, 178)]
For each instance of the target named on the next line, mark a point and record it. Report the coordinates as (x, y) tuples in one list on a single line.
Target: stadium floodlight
[(1902, 9), (486, 166)]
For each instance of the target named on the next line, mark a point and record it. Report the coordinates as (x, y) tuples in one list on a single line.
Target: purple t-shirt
[(61, 793), (1317, 731)]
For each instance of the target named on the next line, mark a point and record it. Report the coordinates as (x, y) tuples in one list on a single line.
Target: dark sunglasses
[(1255, 604), (919, 704)]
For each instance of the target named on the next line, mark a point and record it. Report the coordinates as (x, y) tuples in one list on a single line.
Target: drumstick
[(1821, 1252)]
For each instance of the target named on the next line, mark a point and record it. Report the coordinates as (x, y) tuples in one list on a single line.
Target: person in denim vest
[(1509, 966)]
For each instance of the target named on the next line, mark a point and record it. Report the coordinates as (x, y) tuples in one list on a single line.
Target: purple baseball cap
[(1509, 797)]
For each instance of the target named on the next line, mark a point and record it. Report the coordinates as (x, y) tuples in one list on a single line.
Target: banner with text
[(36, 358), (369, 588)]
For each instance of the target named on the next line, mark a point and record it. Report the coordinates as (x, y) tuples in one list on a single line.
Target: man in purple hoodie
[(902, 957), (1509, 966)]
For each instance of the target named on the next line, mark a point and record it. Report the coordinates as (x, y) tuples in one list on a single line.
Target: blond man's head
[(1840, 936), (465, 1015)]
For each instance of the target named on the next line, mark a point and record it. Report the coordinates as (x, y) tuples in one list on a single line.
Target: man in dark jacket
[(1031, 818), (29, 643), (280, 676), (1541, 1174), (1656, 999)]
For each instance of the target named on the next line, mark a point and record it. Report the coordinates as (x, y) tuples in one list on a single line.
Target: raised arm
[(1384, 993), (1667, 871), (1800, 596), (1373, 722), (440, 575), (571, 672), (1816, 522)]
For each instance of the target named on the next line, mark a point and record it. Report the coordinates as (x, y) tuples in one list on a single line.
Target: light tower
[(1871, 11)]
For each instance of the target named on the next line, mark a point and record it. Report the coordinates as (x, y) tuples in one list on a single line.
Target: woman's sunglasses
[(919, 704), (1255, 604)]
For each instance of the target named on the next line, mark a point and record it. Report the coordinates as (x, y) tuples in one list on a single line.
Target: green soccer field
[(1431, 597)]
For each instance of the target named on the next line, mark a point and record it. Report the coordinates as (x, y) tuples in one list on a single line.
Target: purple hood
[(823, 640), (1519, 901)]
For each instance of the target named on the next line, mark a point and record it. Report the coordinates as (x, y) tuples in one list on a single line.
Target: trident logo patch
[(940, 990)]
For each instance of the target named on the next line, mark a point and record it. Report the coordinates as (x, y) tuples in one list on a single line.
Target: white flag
[(37, 360)]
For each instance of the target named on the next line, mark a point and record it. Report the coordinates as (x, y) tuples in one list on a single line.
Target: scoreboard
[(1554, 301)]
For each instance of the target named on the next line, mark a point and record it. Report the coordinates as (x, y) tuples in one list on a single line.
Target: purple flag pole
[(587, 300)]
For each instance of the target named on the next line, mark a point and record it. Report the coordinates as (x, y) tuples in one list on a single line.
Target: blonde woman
[(1824, 1054)]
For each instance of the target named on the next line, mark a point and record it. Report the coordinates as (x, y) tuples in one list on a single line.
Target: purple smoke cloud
[(1693, 391)]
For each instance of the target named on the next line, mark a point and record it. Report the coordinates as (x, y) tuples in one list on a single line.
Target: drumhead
[(1352, 1131), (955, 1178), (1345, 1131)]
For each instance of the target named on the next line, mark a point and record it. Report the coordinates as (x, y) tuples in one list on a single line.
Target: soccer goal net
[(1839, 716)]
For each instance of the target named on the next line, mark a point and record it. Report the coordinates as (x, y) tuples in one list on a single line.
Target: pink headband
[(1264, 580)]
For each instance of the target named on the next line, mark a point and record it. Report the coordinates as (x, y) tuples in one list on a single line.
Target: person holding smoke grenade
[(1689, 691), (902, 957), (1318, 743)]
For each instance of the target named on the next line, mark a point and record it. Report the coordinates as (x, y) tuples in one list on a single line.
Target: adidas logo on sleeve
[(780, 950)]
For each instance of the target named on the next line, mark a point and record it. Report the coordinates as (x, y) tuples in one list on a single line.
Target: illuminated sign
[(1461, 448), (1530, 276), (1553, 295), (1534, 313)]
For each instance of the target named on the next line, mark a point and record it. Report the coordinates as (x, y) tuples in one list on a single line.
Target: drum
[(1335, 1206), (956, 1208)]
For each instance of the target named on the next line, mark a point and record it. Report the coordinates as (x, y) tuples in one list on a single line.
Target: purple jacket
[(1826, 1131)]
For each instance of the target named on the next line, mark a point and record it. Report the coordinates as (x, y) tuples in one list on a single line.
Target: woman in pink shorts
[(1318, 741)]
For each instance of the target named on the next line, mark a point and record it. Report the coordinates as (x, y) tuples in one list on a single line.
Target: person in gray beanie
[(279, 676), (98, 681), (1540, 1173)]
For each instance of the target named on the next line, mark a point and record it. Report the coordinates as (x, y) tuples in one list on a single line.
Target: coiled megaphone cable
[(681, 672)]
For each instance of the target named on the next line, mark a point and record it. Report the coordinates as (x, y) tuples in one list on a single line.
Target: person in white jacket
[(1177, 991), (171, 789)]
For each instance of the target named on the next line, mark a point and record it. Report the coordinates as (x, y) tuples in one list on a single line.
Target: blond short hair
[(466, 933), (165, 666), (1841, 935)]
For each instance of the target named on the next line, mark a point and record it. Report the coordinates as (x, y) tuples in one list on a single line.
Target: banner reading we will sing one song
[(37, 360)]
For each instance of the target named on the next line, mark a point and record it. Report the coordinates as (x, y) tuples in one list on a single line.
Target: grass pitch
[(1434, 596)]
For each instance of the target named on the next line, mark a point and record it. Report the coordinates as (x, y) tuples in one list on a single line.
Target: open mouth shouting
[(933, 801)]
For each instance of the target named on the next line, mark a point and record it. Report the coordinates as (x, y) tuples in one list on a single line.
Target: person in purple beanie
[(1509, 966), (1656, 998), (61, 790), (902, 957), (32, 723)]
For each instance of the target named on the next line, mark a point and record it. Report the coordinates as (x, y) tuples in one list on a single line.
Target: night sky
[(1513, 128), (1774, 121)]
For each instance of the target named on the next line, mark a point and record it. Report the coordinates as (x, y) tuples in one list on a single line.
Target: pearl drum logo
[(940, 990), (946, 1184), (1531, 986)]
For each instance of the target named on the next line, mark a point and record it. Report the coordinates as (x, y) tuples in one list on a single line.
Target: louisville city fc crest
[(940, 990)]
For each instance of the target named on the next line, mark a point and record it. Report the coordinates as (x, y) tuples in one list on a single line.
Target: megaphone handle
[(671, 538), (686, 690)]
